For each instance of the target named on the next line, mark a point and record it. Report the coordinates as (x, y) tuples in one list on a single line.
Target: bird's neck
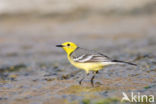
[(70, 53)]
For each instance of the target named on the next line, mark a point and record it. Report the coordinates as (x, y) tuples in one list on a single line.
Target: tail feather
[(118, 61)]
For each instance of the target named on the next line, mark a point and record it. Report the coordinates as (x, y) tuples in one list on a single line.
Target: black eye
[(68, 44)]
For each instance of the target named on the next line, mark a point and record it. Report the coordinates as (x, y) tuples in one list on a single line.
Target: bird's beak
[(59, 45)]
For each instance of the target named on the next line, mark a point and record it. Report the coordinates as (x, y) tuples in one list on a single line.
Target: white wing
[(92, 58)]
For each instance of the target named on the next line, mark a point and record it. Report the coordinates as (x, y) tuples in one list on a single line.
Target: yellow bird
[(88, 60)]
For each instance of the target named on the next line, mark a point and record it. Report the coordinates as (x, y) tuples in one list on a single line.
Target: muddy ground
[(34, 71)]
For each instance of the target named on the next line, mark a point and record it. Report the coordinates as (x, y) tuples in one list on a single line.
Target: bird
[(88, 60)]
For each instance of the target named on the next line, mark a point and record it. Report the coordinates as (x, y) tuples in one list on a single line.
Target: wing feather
[(83, 55), (91, 58)]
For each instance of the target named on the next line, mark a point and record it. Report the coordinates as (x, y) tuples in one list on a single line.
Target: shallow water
[(34, 71)]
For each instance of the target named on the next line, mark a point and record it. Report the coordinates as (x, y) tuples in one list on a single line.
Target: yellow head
[(69, 47)]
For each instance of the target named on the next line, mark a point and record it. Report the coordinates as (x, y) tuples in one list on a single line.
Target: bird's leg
[(92, 79), (83, 78), (97, 72)]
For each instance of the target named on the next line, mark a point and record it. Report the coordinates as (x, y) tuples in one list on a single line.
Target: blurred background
[(34, 71)]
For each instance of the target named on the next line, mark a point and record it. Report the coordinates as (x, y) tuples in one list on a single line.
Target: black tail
[(124, 62)]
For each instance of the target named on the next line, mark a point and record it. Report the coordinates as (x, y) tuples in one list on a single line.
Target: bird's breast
[(86, 66)]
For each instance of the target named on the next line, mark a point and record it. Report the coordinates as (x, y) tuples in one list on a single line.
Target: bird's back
[(84, 55)]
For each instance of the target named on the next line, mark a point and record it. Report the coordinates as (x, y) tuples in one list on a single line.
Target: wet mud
[(34, 71)]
